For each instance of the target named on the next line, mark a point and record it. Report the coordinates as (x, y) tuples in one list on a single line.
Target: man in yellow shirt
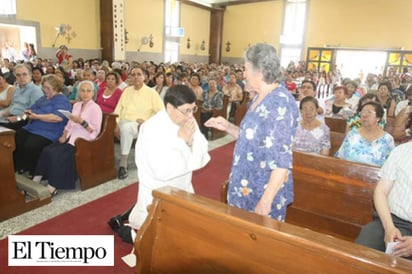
[(137, 104)]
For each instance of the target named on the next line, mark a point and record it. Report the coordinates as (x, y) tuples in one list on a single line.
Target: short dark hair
[(369, 97), (178, 95), (345, 90), (116, 76), (352, 82), (387, 84), (310, 82), (307, 99)]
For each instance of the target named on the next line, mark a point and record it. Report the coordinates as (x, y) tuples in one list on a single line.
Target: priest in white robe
[(169, 148)]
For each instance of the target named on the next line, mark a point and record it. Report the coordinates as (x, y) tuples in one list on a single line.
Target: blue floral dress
[(357, 149), (264, 144)]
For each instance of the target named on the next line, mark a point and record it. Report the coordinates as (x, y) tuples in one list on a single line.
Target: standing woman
[(261, 176), (64, 59), (33, 53), (57, 161), (45, 125), (108, 96)]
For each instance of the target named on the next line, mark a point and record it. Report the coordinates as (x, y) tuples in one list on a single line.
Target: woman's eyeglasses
[(367, 112)]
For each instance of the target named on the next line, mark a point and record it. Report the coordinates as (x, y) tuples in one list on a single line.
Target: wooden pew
[(187, 233), (12, 201), (332, 196), (396, 126), (336, 139), (335, 124), (95, 161)]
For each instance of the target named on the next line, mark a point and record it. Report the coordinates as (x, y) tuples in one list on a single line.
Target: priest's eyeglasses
[(188, 110)]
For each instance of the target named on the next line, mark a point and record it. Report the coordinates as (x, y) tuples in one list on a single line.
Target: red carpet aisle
[(91, 218)]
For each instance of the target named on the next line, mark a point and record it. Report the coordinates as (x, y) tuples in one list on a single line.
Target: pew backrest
[(12, 201), (187, 233), (332, 195), (95, 163), (336, 124), (336, 139)]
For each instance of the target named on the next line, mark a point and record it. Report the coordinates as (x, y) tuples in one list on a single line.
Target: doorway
[(16, 35), (358, 63)]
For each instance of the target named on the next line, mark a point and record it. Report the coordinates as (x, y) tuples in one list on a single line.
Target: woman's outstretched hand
[(219, 123)]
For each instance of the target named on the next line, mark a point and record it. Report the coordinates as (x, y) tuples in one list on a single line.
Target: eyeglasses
[(24, 74), (135, 74), (188, 111), (367, 112)]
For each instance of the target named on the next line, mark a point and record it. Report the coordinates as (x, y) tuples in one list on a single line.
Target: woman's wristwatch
[(84, 124)]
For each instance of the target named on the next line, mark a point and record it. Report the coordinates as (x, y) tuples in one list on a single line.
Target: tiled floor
[(67, 200)]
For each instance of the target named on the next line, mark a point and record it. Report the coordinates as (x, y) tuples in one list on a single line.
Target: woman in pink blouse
[(57, 161), (108, 96)]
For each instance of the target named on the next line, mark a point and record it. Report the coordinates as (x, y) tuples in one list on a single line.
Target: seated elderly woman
[(367, 144), (355, 119), (311, 134), (46, 124), (337, 107), (57, 161), (212, 99)]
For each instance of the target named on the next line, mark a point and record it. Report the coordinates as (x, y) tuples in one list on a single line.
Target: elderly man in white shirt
[(392, 198), (169, 148)]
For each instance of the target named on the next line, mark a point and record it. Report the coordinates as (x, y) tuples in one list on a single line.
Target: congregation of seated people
[(345, 97), (68, 84)]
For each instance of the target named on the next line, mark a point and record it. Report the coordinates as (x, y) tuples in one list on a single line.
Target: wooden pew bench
[(12, 201), (332, 196), (95, 161), (187, 233)]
